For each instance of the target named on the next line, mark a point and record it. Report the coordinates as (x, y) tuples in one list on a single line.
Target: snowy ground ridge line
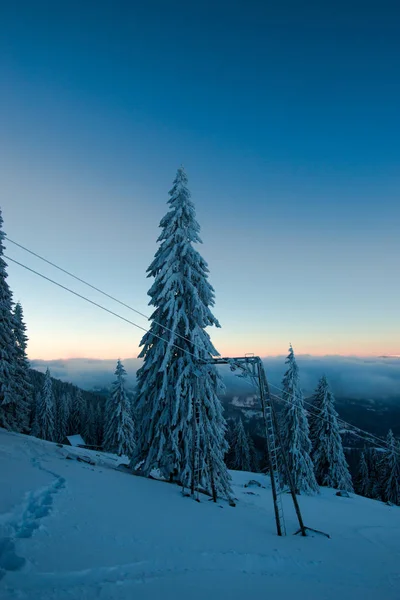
[(37, 506)]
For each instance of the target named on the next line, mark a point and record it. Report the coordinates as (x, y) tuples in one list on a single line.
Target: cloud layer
[(352, 377)]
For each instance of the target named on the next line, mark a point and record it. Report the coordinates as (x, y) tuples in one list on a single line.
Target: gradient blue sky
[(287, 120)]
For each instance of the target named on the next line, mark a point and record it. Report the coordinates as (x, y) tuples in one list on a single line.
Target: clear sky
[(286, 117)]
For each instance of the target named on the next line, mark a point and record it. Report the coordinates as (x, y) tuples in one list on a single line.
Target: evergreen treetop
[(391, 470), (241, 450), (330, 464), (23, 385), (175, 381), (77, 413), (363, 483), (46, 411), (9, 397), (295, 431), (119, 436)]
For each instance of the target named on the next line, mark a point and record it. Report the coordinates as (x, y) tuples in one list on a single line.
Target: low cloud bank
[(352, 377), (88, 373)]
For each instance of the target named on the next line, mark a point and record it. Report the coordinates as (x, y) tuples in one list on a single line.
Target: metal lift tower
[(252, 368)]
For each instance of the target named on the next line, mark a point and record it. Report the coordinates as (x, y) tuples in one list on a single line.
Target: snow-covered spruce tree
[(32, 415), (241, 450), (76, 413), (23, 385), (89, 425), (229, 436), (254, 466), (391, 470), (295, 431), (119, 433), (376, 475), (62, 417), (11, 417), (330, 466), (45, 411), (174, 374), (98, 425), (363, 484), (36, 409)]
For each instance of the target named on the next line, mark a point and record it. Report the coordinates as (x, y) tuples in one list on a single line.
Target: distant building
[(76, 441)]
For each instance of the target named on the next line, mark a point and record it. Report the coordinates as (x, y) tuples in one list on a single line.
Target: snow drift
[(78, 531)]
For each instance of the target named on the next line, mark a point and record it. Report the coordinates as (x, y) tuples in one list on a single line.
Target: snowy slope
[(70, 530)]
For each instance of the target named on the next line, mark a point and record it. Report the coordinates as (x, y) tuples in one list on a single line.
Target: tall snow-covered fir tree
[(391, 470), (240, 446), (363, 483), (174, 381), (23, 385), (45, 411), (11, 415), (330, 465), (295, 431), (119, 434)]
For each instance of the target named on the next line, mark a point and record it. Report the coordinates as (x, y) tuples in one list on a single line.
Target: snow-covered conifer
[(175, 381), (36, 410), (254, 466), (376, 475), (62, 417), (76, 413), (23, 385), (98, 425), (119, 434), (10, 401), (331, 468), (295, 431), (46, 411), (89, 425), (230, 426), (363, 483), (241, 450), (391, 470)]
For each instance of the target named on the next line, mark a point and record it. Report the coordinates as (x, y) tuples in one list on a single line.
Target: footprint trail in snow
[(38, 506)]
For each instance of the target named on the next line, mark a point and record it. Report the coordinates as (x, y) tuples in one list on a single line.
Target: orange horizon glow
[(222, 354), (114, 343)]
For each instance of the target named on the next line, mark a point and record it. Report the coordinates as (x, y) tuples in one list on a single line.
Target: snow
[(295, 431), (119, 432), (76, 440), (72, 531), (180, 428), (330, 465)]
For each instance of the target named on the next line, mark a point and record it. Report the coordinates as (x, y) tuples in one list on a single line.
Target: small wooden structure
[(76, 441)]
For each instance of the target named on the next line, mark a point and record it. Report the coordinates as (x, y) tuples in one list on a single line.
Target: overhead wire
[(369, 437), (111, 312), (366, 438), (61, 269), (378, 439), (93, 287)]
